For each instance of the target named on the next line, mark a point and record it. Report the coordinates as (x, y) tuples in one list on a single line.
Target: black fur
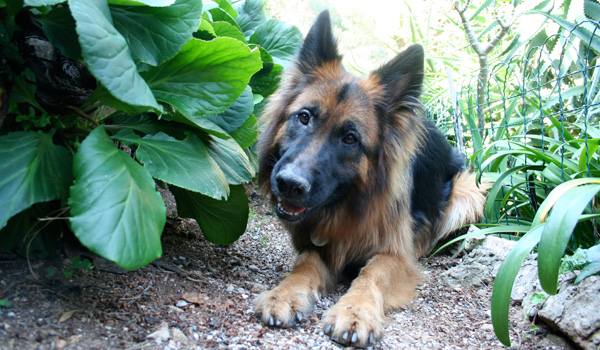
[(433, 171)]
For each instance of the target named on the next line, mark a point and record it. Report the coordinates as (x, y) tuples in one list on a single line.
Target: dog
[(363, 183)]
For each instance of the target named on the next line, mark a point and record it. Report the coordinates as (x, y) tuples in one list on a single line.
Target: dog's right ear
[(319, 45)]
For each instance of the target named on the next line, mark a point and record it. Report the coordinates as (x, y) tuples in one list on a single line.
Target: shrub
[(102, 99)]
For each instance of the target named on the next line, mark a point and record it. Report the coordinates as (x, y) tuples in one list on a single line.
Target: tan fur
[(383, 233), (465, 205)]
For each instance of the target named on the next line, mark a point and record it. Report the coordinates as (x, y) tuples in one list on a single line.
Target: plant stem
[(482, 52)]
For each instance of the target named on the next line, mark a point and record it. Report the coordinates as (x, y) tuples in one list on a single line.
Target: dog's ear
[(402, 77), (319, 45)]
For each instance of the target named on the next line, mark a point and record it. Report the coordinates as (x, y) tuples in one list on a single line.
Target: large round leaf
[(237, 114), (251, 14), (232, 160), (205, 77), (184, 163), (115, 209), (33, 170), (222, 222), (281, 40), (155, 34), (107, 55)]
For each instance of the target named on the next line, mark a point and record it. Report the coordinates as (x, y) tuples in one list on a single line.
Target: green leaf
[(34, 170), (265, 84), (585, 35), (59, 27), (155, 34), (116, 211), (222, 28), (185, 164), (226, 6), (588, 270), (558, 231), (251, 14), (538, 298), (107, 55), (247, 133), (202, 123), (156, 3), (237, 114), (205, 77), (281, 40), (232, 160), (505, 280), (499, 184), (222, 222), (37, 3)]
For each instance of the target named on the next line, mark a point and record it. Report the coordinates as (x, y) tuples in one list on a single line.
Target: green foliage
[(538, 299), (585, 260), (110, 96), (3, 303)]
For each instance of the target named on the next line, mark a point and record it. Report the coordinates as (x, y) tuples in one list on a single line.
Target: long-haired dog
[(363, 184)]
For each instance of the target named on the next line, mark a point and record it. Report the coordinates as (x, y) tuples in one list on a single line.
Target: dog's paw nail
[(371, 338), (278, 323), (299, 316), (328, 328), (354, 337), (271, 321), (345, 336)]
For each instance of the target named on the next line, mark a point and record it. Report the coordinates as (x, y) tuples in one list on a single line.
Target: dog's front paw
[(354, 322), (282, 307)]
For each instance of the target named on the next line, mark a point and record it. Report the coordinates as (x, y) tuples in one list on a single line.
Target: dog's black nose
[(291, 186)]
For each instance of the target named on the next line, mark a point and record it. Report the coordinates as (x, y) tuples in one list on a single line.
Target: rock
[(161, 334), (575, 312), (178, 336), (480, 266)]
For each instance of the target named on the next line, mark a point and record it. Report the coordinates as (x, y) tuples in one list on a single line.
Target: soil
[(199, 296)]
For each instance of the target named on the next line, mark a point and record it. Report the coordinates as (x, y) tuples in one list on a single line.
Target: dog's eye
[(304, 117), (350, 139)]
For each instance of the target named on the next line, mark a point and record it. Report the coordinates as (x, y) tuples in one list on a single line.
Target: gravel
[(199, 296)]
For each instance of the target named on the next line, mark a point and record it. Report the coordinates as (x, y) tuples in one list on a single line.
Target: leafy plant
[(3, 303), (586, 260), (101, 99)]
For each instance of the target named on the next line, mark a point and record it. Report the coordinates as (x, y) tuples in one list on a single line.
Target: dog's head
[(326, 130)]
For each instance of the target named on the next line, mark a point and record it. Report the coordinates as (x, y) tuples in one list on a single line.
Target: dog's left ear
[(319, 45), (402, 77)]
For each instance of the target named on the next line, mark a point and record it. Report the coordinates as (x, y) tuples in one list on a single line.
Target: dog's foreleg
[(296, 294), (385, 283)]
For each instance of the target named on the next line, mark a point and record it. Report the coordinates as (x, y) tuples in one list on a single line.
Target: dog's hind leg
[(296, 294), (385, 283)]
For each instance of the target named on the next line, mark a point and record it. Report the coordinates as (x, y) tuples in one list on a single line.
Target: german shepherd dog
[(362, 182)]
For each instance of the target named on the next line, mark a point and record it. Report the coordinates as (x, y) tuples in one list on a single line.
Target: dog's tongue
[(289, 207)]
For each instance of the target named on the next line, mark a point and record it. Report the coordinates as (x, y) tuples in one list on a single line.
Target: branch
[(468, 29), (505, 28)]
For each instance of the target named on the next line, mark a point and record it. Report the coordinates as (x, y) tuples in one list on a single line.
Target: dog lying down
[(363, 183)]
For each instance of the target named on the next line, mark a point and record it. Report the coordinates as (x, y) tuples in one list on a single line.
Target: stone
[(161, 334), (481, 264), (575, 311)]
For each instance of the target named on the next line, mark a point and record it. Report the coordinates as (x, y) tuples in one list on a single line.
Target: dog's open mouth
[(290, 212)]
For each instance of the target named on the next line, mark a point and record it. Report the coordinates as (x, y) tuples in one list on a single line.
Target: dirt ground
[(198, 296)]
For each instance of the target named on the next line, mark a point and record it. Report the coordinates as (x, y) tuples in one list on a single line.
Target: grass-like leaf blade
[(505, 280), (558, 230)]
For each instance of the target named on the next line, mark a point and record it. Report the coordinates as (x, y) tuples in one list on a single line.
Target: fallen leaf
[(195, 298), (66, 315)]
